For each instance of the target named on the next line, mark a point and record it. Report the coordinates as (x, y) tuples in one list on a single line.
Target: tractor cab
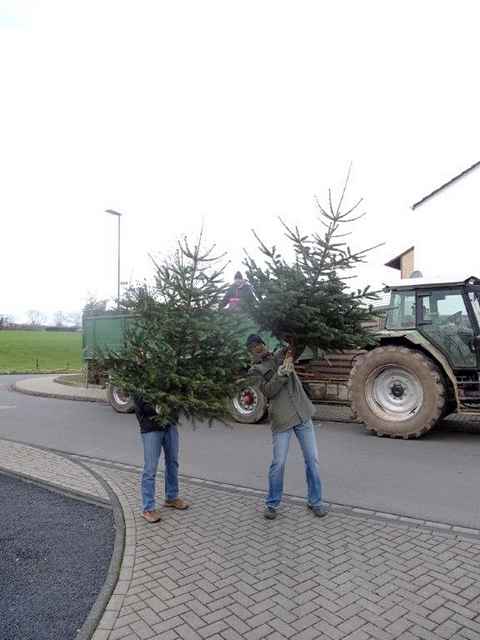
[(445, 314)]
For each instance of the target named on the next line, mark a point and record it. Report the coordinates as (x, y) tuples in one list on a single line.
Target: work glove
[(287, 368)]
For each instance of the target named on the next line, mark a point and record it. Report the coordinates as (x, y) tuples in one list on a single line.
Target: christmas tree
[(182, 354), (307, 301)]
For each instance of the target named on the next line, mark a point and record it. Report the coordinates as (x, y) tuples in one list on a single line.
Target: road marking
[(7, 406)]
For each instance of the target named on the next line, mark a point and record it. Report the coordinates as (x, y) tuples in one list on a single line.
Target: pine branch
[(307, 300), (352, 209), (347, 179)]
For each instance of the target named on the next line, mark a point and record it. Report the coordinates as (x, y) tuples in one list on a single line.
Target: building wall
[(447, 230), (407, 262)]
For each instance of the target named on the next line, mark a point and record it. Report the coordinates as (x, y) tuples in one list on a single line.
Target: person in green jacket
[(291, 412)]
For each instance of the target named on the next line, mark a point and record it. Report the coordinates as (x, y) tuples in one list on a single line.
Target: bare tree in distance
[(59, 318), (37, 318), (74, 318), (94, 307)]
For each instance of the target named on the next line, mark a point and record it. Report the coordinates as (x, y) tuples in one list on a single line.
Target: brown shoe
[(152, 516), (178, 503)]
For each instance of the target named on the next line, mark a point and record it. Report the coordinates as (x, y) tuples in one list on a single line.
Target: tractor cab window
[(444, 319), (401, 312), (475, 305)]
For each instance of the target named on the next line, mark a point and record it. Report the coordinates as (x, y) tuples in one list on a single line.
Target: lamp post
[(119, 215)]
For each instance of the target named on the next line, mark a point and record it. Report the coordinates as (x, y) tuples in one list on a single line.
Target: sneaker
[(270, 513), (320, 511), (177, 503), (152, 516)]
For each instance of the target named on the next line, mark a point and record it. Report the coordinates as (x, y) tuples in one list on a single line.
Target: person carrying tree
[(157, 436), (180, 358), (291, 412)]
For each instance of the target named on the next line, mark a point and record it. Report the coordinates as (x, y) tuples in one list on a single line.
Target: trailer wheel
[(122, 402), (248, 405), (397, 392)]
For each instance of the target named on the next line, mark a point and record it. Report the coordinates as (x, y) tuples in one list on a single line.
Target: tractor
[(426, 362)]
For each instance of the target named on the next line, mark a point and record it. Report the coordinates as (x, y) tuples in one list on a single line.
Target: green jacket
[(289, 404)]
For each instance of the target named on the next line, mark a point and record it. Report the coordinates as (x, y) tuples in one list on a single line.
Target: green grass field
[(35, 351)]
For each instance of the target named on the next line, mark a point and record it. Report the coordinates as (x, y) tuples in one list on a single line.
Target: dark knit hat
[(238, 276), (253, 339)]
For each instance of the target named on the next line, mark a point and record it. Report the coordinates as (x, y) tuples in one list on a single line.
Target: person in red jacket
[(238, 292)]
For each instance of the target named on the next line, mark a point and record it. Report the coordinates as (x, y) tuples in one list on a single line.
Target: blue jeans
[(152, 448), (281, 441)]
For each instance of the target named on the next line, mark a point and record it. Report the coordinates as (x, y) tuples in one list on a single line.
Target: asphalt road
[(436, 477), (54, 557)]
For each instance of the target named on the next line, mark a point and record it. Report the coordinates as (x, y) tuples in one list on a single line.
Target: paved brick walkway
[(219, 571)]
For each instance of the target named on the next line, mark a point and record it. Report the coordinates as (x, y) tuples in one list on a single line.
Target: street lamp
[(119, 215)]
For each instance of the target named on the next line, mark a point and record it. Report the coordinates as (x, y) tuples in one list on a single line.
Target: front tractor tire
[(397, 392), (121, 401)]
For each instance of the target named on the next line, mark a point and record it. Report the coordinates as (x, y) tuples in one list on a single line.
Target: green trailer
[(105, 333)]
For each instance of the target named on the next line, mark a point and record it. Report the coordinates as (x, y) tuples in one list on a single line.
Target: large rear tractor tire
[(248, 405), (120, 401), (397, 392)]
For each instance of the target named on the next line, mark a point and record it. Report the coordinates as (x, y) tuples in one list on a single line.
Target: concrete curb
[(62, 379), (346, 509), (365, 512), (39, 372), (91, 623), (51, 389), (69, 493)]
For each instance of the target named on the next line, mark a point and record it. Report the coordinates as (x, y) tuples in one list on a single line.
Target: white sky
[(226, 112)]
